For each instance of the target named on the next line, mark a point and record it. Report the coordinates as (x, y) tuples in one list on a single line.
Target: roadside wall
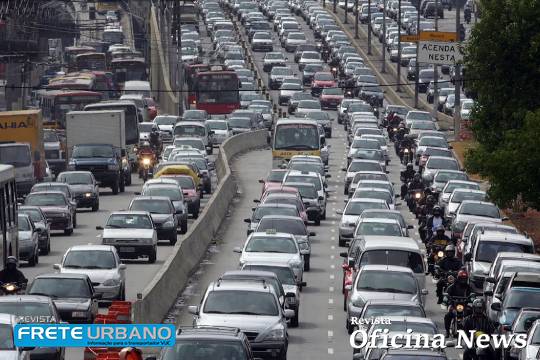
[(161, 293)]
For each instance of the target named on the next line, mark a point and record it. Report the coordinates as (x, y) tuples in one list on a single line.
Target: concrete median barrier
[(160, 294)]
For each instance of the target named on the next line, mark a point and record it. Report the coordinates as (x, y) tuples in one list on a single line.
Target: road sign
[(409, 38), (440, 53), (438, 36)]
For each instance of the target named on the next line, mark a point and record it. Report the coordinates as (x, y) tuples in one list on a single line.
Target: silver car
[(253, 307), (102, 265), (436, 163), (351, 214), (28, 240)]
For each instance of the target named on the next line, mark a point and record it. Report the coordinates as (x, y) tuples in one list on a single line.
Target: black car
[(84, 188), (32, 309), (163, 215), (210, 342), (72, 294)]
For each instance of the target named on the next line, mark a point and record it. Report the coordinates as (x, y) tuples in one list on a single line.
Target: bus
[(8, 213), (100, 81), (191, 71), (216, 91), (55, 104), (103, 6), (91, 61), (125, 69), (113, 35), (295, 137), (70, 53)]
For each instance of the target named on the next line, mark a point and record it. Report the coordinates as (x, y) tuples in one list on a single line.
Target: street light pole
[(346, 9), (356, 19), (417, 65), (398, 87), (335, 6), (383, 68), (436, 69), (369, 29), (457, 101)]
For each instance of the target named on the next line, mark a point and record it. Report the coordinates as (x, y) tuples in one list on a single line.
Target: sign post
[(398, 87), (436, 69)]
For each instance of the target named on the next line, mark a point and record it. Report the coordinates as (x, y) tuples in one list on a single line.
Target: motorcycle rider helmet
[(417, 177), (440, 229), (437, 211), (410, 167), (12, 262), (478, 306), (430, 199), (450, 250), (462, 277)]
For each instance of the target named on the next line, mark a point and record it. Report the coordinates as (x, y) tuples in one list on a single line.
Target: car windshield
[(172, 193), (271, 245), (364, 166), (129, 221), (276, 176), (332, 91), (445, 176), (50, 187), (368, 154), (6, 337), (524, 322), (281, 71), (28, 312), (381, 229), (301, 96), (467, 105), (357, 207), (44, 199), (487, 250), (408, 259), (324, 77), (274, 56), (217, 125), (309, 167), (240, 302), (61, 288), (519, 298), (291, 86), (262, 36), (165, 120), (387, 281), (449, 164), (480, 209), (451, 186), (295, 227), (33, 214), (309, 179), (195, 143), (75, 178), (393, 310), (403, 326), (313, 68), (274, 210), (365, 144), (284, 274), (89, 259), (23, 224), (152, 206), (306, 191), (370, 194), (309, 104), (296, 36), (201, 349), (433, 141), (240, 123), (423, 125), (91, 151), (460, 196), (438, 152)]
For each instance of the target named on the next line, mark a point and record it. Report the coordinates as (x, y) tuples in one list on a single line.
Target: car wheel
[(68, 231), (173, 239), (210, 150), (196, 214), (95, 206), (115, 187), (318, 221), (183, 228), (307, 264), (208, 189), (294, 320), (32, 261), (75, 220), (342, 242), (128, 179), (345, 302), (122, 185), (122, 296), (324, 215), (152, 256)]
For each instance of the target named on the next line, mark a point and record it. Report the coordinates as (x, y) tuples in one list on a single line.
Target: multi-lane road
[(321, 333)]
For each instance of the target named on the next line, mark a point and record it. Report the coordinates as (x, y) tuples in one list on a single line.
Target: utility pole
[(356, 19), (369, 28), (436, 69), (383, 68), (346, 9), (417, 65), (457, 102), (398, 87), (335, 6)]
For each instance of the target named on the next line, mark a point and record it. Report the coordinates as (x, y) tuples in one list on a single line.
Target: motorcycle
[(413, 198), (12, 288), (406, 155), (436, 253), (145, 164), (461, 308)]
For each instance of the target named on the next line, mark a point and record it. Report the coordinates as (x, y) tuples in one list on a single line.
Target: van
[(196, 129), (393, 250), (137, 87)]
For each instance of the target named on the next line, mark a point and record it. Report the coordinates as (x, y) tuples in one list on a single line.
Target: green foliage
[(503, 68)]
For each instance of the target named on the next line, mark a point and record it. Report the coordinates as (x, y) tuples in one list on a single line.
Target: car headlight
[(459, 308), (78, 314), (87, 195), (111, 282), (440, 254), (276, 334), (169, 222)]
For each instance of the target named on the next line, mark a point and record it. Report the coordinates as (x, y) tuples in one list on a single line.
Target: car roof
[(379, 220), (281, 217), (395, 268), (48, 192), (507, 237), (373, 200), (390, 243), (249, 274), (90, 247), (503, 255), (25, 298), (393, 302), (129, 212), (144, 197), (62, 276), (240, 285)]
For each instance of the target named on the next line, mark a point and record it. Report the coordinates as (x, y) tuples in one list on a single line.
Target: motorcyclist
[(449, 263), (406, 176), (400, 135), (477, 321), (467, 13), (460, 288), (406, 143), (10, 274), (426, 204), (435, 221), (439, 237), (146, 150), (154, 139), (415, 185), (461, 32)]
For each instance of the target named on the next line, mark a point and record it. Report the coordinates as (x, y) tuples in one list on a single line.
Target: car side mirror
[(237, 250), (303, 283), (261, 181), (56, 267), (344, 169), (137, 193), (467, 257), (247, 220), (122, 267), (339, 212), (289, 314), (97, 296), (505, 218), (327, 176), (256, 201), (193, 309), (320, 198), (99, 227), (424, 292), (410, 227), (496, 306), (312, 233), (343, 254), (290, 295)]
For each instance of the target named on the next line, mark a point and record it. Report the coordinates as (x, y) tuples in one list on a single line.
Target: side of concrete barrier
[(160, 294)]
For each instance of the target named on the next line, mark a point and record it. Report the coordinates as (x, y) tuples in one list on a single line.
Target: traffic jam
[(356, 224)]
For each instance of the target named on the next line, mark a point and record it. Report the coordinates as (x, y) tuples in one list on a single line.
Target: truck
[(21, 145), (96, 142)]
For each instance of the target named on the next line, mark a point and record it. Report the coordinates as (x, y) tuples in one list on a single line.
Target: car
[(309, 70), (272, 59), (381, 282), (430, 141), (473, 229), (387, 214), (293, 226), (436, 163), (312, 201), (72, 294), (359, 165), (322, 79), (28, 239), (287, 90), (458, 196), (378, 227), (516, 298), (309, 57), (58, 209), (145, 128), (174, 193), (286, 198), (351, 213), (262, 41), (478, 260), (34, 309), (368, 192), (54, 186), (452, 185), (524, 322), (377, 308), (293, 40), (132, 233), (466, 109), (369, 154), (373, 94), (330, 98), (210, 341), (441, 177), (366, 175), (41, 225), (83, 186), (269, 209), (302, 48), (252, 307), (277, 76), (295, 99), (102, 265), (316, 179), (192, 195), (472, 210), (165, 124), (163, 215), (309, 166), (9, 350), (195, 115)]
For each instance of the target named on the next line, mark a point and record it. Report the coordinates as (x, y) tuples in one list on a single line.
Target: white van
[(137, 87)]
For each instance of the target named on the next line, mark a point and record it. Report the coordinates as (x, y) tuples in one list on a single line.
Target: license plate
[(127, 249)]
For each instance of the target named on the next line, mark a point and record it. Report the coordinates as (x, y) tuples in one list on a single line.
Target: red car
[(190, 191), (331, 98), (275, 177), (322, 80)]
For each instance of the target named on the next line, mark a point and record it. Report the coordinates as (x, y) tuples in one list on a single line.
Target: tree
[(503, 68)]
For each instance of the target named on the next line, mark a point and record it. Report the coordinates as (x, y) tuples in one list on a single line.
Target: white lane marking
[(330, 301), (332, 266), (330, 333), (332, 257), (331, 289), (333, 222), (333, 238), (333, 230), (330, 317), (330, 351), (333, 247), (332, 276)]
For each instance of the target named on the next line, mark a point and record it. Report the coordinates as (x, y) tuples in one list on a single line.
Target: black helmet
[(410, 166), (417, 176), (437, 210), (430, 199), (478, 306), (11, 262), (154, 129), (440, 228)]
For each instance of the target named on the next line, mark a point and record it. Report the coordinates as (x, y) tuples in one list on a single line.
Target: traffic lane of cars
[(138, 273)]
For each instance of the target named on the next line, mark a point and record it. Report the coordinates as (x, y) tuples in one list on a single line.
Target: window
[(89, 259), (408, 259), (61, 288), (387, 281), (241, 302)]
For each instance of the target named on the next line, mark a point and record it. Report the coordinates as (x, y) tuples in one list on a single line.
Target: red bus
[(191, 71), (56, 103), (100, 81), (126, 69), (217, 91)]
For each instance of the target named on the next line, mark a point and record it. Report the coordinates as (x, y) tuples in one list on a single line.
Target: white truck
[(96, 142)]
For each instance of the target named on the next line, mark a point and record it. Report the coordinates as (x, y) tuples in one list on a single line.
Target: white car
[(466, 108), (221, 130), (309, 57), (145, 128), (272, 246), (165, 124), (458, 196), (7, 329), (262, 41), (351, 214), (102, 265)]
